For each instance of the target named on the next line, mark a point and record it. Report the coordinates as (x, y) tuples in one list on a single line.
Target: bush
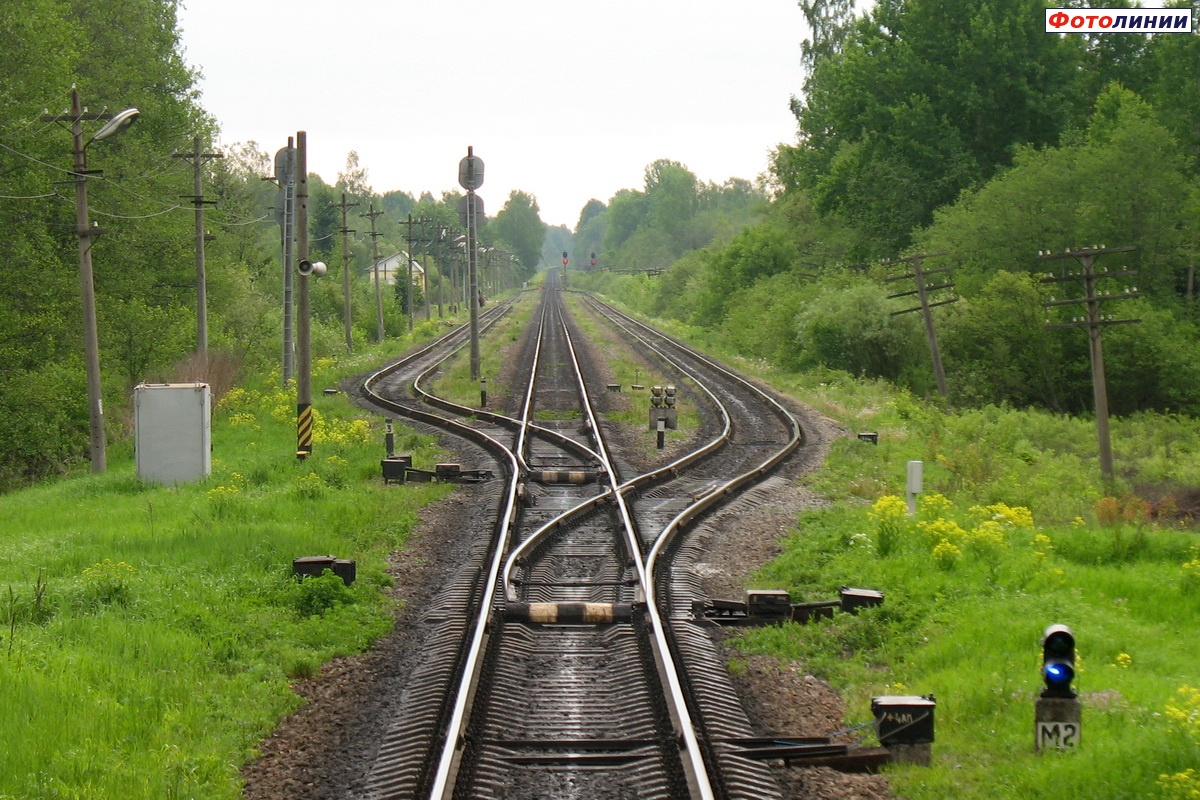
[(851, 328), (318, 594)]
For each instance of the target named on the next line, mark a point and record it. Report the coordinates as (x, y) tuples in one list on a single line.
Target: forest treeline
[(963, 131), (126, 53), (924, 126)]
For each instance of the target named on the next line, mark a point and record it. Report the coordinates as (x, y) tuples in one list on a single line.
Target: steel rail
[(502, 532), (444, 776), (515, 423), (719, 494), (646, 567), (634, 484), (695, 766)]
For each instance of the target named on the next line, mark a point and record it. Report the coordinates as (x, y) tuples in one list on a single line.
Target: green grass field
[(150, 634), (1015, 531)]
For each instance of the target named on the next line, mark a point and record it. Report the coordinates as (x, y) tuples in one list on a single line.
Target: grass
[(1016, 531), (454, 382), (628, 370), (151, 635)]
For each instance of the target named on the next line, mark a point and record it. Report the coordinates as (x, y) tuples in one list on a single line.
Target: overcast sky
[(562, 99)]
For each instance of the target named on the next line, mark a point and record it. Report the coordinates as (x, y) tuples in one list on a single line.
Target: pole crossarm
[(917, 291), (919, 274), (1094, 250), (925, 306), (1126, 295), (1086, 324)]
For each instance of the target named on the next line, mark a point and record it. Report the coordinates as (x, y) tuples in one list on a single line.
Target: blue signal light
[(1059, 674), (1058, 662)]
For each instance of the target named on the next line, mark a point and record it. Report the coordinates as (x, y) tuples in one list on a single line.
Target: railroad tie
[(567, 613), (551, 476)]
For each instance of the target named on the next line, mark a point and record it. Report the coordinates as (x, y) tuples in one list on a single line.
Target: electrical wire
[(140, 216), (36, 160), (218, 221)]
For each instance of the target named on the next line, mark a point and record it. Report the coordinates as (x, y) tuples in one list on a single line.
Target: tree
[(997, 348), (1173, 64), (924, 99), (589, 233), (592, 209), (1122, 182), (626, 211), (757, 252), (353, 179), (671, 202), (520, 226), (830, 23), (119, 54)]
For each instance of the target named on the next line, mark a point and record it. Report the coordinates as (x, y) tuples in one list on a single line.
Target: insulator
[(670, 391)]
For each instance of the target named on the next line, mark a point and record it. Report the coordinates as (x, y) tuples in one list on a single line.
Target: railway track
[(564, 661)]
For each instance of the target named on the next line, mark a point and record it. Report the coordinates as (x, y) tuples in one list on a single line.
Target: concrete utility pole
[(371, 215), (303, 342), (114, 123), (1094, 321), (470, 177), (198, 158), (346, 321), (922, 292), (285, 215)]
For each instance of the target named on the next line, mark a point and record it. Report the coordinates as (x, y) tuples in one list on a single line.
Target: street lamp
[(114, 124)]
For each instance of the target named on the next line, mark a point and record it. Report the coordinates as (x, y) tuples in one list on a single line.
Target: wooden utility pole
[(440, 235), (198, 157), (408, 294), (922, 292), (1094, 321), (346, 321), (371, 215)]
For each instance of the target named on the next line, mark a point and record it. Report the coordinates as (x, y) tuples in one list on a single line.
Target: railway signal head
[(593, 259), (1058, 662), (564, 258)]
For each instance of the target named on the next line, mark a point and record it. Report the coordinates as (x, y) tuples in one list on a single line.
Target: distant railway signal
[(565, 259), (470, 171)]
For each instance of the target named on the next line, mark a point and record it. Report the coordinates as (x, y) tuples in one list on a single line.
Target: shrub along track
[(328, 748)]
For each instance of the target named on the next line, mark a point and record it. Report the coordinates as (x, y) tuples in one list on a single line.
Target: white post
[(915, 474)]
